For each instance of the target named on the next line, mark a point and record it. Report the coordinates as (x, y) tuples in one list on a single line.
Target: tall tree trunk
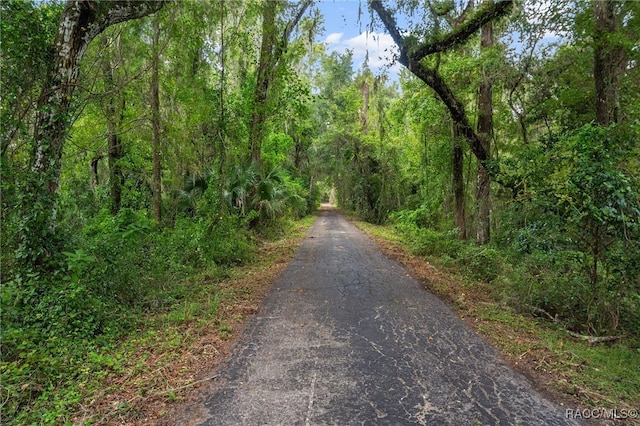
[(116, 177), (95, 179), (156, 180), (608, 61), (457, 154), (364, 112), (263, 80), (80, 23), (457, 169), (114, 112), (299, 149), (485, 132), (271, 51), (222, 131)]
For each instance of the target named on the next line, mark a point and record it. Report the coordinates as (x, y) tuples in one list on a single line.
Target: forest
[(145, 143)]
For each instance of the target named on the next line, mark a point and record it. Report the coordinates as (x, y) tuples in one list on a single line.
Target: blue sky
[(346, 28), (347, 25)]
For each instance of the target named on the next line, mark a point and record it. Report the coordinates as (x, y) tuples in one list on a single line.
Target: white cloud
[(333, 38), (379, 46)]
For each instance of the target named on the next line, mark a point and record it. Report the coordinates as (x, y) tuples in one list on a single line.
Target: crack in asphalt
[(346, 337)]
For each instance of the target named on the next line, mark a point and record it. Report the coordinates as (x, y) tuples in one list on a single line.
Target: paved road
[(346, 337)]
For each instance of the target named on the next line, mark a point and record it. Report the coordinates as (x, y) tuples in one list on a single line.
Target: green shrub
[(574, 228), (115, 268), (429, 242), (481, 263), (262, 196)]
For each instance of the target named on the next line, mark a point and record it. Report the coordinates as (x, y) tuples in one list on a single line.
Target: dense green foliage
[(108, 261), (579, 229), (566, 190), (247, 140)]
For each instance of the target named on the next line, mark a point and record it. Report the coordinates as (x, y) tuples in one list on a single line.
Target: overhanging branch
[(292, 24), (413, 61), (390, 24), (463, 32)]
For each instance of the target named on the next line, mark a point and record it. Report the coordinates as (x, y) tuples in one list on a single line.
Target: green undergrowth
[(596, 375), (51, 367)]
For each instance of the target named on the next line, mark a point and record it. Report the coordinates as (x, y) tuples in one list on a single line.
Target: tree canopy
[(142, 140)]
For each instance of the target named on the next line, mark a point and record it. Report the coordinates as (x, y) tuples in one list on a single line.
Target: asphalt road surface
[(346, 337)]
